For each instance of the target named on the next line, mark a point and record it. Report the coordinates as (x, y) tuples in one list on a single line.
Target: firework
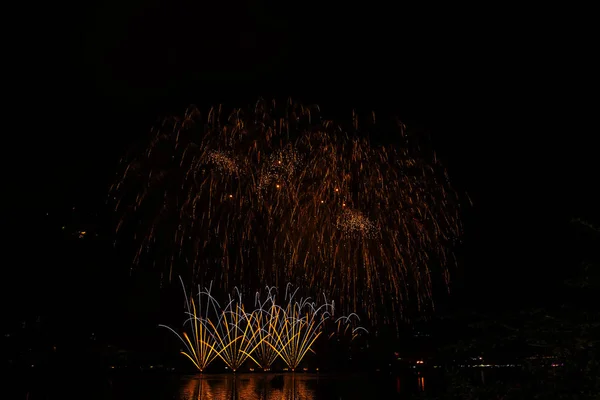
[(294, 328), (270, 318), (237, 335), (201, 348), (277, 194), (223, 162), (268, 332), (230, 335)]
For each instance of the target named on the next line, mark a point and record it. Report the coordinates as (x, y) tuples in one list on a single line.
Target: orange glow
[(421, 383)]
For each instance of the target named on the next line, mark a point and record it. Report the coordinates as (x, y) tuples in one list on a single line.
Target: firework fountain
[(269, 331)]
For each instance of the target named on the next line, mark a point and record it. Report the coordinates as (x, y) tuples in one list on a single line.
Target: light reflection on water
[(250, 387), (245, 386)]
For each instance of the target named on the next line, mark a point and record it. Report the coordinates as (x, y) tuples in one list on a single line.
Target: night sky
[(495, 89)]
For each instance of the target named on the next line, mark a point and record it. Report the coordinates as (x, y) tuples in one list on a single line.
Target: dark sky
[(492, 86)]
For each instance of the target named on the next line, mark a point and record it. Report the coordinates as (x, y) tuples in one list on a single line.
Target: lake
[(253, 386), (243, 386)]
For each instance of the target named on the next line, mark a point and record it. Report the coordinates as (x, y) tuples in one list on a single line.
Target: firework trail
[(293, 328), (201, 349), (230, 335), (276, 194), (268, 332), (271, 318)]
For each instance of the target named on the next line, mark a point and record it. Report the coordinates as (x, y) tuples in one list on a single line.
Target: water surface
[(251, 386)]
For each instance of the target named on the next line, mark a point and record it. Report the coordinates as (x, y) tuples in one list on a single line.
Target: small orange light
[(277, 186), (343, 204), (230, 196)]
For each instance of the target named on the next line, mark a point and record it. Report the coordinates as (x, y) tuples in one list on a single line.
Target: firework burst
[(277, 194)]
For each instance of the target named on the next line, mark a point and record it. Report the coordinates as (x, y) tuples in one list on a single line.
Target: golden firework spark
[(275, 194), (201, 348), (223, 162), (268, 332)]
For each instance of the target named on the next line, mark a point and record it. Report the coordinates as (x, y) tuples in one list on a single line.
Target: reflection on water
[(421, 381), (250, 387)]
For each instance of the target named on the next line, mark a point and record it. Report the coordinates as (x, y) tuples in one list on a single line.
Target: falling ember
[(364, 222)]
